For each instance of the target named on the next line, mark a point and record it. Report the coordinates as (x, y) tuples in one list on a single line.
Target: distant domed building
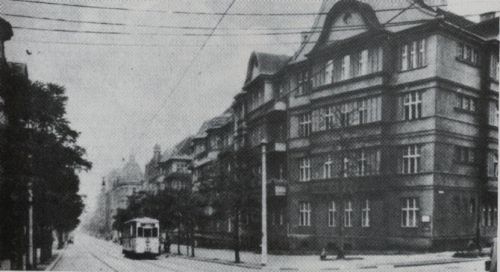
[(120, 185)]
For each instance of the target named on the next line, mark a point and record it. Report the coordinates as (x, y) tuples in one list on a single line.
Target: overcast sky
[(120, 93)]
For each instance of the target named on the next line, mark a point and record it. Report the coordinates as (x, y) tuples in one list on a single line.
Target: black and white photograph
[(249, 135)]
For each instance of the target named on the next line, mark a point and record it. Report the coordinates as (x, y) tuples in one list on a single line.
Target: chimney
[(156, 153), (486, 16)]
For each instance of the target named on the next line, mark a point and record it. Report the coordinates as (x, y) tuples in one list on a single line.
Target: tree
[(41, 149), (236, 190)]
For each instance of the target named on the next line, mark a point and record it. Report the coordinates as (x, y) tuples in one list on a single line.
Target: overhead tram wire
[(259, 14), (341, 28), (184, 73)]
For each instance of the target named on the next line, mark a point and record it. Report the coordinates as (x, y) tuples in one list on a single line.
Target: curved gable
[(347, 18)]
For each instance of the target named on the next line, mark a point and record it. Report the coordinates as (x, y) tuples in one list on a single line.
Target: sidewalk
[(312, 262)]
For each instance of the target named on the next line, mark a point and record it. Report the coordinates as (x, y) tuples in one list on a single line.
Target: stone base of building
[(308, 243)]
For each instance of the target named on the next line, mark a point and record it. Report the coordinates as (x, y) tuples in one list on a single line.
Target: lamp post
[(264, 205)]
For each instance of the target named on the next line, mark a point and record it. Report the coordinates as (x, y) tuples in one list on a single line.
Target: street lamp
[(264, 205)]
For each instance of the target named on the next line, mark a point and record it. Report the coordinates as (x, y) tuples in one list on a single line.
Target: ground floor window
[(489, 215), (305, 213), (348, 213), (409, 211), (365, 214), (332, 212)]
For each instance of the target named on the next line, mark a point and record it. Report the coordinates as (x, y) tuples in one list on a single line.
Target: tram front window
[(140, 232), (155, 232), (147, 233)]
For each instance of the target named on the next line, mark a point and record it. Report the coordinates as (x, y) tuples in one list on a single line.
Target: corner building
[(392, 119)]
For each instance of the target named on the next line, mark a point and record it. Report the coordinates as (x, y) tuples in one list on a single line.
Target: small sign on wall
[(426, 219)]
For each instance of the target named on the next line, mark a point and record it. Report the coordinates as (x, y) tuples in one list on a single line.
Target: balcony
[(276, 187)]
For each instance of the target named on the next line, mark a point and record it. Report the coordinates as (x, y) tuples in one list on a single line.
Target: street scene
[(238, 135)]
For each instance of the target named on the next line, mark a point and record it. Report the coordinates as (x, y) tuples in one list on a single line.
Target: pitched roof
[(182, 150), (5, 30), (267, 64), (216, 122), (421, 10), (486, 28)]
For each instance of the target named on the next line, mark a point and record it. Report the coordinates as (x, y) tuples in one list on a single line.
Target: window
[(464, 154), (332, 214), (493, 113), (467, 54), (327, 168), (411, 159), (467, 103), (345, 168), (360, 63), (412, 105), (305, 214), (413, 55), (365, 214), (346, 64), (362, 112), (409, 210), (495, 165), (281, 217), (305, 169), (329, 72), (348, 213), (140, 232), (362, 164), (302, 82), (329, 117), (305, 124), (345, 114), (494, 67), (489, 215)]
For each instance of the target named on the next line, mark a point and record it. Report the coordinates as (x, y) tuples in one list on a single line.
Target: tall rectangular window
[(348, 213), (412, 105), (363, 111), (329, 72), (411, 159), (305, 169), (345, 115), (409, 212), (329, 117), (362, 163), (305, 124), (327, 168), (421, 57), (304, 213), (332, 214), (346, 67), (365, 214), (404, 57), (412, 55), (467, 53), (494, 67)]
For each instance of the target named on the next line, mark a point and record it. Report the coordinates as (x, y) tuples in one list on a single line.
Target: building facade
[(380, 130), (392, 130)]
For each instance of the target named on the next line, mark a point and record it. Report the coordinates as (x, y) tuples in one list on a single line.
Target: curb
[(55, 262), (219, 261)]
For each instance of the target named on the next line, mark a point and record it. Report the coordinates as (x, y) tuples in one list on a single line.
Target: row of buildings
[(382, 128)]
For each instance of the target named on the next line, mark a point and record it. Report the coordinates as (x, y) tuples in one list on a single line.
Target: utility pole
[(30, 264), (264, 206)]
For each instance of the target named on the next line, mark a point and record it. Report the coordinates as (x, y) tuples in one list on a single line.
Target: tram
[(140, 238)]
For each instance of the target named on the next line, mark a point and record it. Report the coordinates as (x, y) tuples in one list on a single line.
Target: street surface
[(91, 254)]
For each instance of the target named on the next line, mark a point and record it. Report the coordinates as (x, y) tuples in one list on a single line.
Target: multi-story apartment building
[(260, 118), (380, 130), (392, 128), (213, 137), (175, 167)]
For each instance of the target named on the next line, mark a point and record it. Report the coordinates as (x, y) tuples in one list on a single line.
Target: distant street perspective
[(238, 135)]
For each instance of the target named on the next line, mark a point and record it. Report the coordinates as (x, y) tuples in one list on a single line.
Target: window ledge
[(475, 65), (465, 111), (412, 69)]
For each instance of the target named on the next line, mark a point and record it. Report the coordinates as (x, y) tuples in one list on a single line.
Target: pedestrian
[(166, 243)]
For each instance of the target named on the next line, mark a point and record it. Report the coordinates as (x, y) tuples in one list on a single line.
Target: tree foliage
[(40, 148)]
